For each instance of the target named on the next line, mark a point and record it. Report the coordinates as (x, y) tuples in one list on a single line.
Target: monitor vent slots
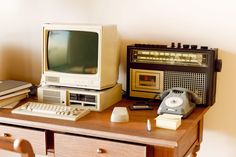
[(52, 79)]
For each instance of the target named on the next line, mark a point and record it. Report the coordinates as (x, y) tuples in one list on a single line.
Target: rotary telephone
[(180, 101)]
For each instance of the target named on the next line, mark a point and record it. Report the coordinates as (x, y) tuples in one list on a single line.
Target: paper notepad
[(168, 121)]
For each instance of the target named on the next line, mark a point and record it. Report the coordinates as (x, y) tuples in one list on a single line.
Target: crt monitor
[(82, 56)]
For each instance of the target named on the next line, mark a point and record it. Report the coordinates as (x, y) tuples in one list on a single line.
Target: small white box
[(168, 121)]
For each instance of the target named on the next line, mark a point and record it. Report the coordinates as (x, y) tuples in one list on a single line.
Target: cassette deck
[(151, 69)]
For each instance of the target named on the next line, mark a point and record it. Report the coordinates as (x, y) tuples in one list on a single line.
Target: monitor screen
[(72, 51)]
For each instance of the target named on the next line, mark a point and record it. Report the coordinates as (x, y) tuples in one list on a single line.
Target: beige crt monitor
[(82, 56)]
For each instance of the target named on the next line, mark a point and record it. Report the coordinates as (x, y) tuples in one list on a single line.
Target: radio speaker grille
[(196, 82)]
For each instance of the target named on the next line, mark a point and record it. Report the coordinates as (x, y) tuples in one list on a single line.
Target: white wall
[(202, 22)]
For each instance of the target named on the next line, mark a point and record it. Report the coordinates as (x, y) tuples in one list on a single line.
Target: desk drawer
[(35, 137), (75, 146)]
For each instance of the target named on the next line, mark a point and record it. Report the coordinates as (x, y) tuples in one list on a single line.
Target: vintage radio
[(152, 69)]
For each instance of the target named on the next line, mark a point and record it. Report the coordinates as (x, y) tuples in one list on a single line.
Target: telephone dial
[(179, 101)]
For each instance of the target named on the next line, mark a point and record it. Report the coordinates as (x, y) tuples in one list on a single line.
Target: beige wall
[(202, 22)]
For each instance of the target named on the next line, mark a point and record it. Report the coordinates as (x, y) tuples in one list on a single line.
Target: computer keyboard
[(51, 111)]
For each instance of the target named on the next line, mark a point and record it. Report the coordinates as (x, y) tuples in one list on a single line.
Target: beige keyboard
[(51, 111)]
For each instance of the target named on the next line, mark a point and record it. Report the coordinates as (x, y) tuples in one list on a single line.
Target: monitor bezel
[(86, 28)]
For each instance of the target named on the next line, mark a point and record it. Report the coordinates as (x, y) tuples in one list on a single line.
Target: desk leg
[(200, 136), (194, 153)]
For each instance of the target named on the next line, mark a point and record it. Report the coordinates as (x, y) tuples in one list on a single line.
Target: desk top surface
[(97, 124)]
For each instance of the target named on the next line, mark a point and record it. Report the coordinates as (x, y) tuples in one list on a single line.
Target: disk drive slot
[(75, 103), (82, 97), (73, 96), (89, 105), (86, 98)]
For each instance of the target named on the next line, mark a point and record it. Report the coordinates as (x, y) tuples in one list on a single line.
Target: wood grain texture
[(191, 149), (160, 151), (75, 146), (187, 141), (36, 138)]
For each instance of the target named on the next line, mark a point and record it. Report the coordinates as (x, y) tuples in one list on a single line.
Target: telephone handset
[(194, 97), (179, 101)]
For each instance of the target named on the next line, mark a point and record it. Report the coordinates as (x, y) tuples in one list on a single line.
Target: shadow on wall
[(221, 117), (16, 63)]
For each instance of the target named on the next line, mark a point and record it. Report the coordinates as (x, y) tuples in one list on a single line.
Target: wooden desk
[(95, 135)]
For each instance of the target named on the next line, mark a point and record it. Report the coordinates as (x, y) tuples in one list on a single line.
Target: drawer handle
[(100, 150), (6, 135)]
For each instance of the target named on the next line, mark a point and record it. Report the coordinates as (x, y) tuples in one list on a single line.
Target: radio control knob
[(179, 45), (218, 65), (185, 46), (204, 47), (163, 46), (194, 47), (172, 45)]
